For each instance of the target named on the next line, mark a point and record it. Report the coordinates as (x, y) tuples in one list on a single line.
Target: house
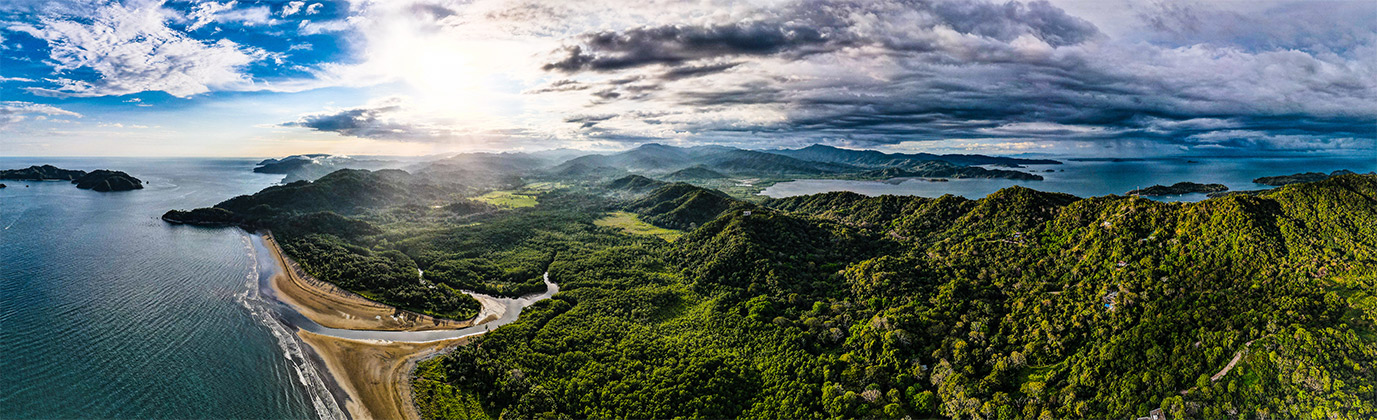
[(1110, 299), (745, 212), (1155, 414)]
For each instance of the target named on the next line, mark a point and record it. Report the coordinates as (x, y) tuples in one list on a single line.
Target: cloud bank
[(1180, 75)]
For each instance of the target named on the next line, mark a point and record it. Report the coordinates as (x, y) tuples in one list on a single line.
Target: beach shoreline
[(374, 375), (333, 307)]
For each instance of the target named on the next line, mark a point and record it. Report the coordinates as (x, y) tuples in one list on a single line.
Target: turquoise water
[(107, 312), (1097, 178)]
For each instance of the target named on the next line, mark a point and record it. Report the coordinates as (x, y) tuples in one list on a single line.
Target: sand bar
[(334, 307)]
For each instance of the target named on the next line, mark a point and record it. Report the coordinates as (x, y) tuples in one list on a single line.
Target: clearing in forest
[(630, 223)]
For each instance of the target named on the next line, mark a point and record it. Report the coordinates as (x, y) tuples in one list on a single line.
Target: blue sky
[(1069, 77)]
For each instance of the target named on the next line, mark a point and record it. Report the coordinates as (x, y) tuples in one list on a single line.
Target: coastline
[(374, 375), (334, 307)]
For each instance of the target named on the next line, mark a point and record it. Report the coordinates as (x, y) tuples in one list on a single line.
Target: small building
[(745, 212)]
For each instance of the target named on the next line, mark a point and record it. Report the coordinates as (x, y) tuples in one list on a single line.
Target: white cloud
[(12, 112), (291, 8), (133, 50), (212, 12), (307, 27), (313, 8)]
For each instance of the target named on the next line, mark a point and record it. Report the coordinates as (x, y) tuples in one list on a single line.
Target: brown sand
[(375, 374), (333, 307)]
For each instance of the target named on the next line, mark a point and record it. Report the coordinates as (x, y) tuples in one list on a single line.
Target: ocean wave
[(307, 373)]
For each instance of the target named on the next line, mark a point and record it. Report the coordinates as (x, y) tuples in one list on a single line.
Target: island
[(100, 180), (41, 173), (943, 169), (1277, 181), (103, 180), (1178, 189)]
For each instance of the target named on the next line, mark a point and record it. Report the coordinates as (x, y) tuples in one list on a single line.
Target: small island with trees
[(100, 180), (1179, 189)]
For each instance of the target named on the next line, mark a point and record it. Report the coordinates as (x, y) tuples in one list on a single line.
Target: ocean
[(1091, 178), (108, 312)]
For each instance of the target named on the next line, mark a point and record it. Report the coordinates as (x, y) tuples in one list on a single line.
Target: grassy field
[(509, 199), (629, 223)]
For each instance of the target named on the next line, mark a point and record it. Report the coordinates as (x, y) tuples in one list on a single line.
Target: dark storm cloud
[(373, 122), (684, 72), (1008, 21), (1335, 26), (818, 27), (887, 72), (675, 44), (588, 121)]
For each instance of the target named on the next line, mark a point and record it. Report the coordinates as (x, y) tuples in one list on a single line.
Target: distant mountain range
[(698, 163), (313, 166), (709, 162), (876, 159)]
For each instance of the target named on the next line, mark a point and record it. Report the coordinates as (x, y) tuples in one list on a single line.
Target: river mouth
[(285, 321), (268, 267)]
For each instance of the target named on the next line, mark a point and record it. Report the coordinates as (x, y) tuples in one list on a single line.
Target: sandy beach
[(333, 307), (374, 374)]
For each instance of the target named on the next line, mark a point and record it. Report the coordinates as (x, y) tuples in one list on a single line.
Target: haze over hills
[(700, 163)]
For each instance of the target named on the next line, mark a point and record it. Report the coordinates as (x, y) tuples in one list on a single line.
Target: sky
[(396, 77)]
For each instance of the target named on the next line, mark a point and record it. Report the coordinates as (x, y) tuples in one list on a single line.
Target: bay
[(108, 312)]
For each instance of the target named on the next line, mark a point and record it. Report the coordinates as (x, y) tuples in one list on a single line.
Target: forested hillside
[(1019, 305)]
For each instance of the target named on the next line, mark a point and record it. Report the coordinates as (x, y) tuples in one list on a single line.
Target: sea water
[(108, 312), (1091, 178)]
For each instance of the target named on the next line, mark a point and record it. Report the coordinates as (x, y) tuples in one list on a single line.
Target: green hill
[(682, 206), (696, 173), (635, 184)]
